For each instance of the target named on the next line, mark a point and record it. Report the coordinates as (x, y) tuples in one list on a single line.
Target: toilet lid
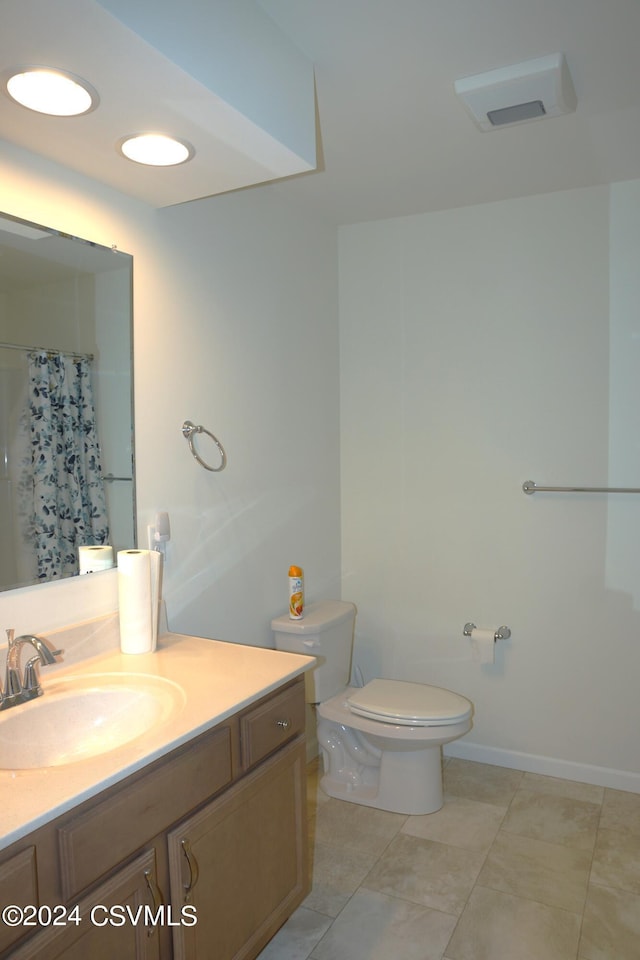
[(408, 703)]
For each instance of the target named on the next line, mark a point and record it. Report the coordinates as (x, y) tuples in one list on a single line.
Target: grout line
[(593, 853)]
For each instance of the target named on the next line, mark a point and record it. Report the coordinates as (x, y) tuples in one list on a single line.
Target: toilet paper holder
[(502, 633)]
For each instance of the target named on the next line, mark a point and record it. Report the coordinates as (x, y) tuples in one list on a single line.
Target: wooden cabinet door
[(19, 886), (105, 938), (242, 862)]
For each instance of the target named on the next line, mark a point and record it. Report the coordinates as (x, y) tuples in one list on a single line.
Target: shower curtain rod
[(49, 350)]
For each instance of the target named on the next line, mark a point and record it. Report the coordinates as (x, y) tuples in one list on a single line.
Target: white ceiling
[(397, 141)]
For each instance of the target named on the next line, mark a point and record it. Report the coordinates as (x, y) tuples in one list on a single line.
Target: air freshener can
[(296, 593)]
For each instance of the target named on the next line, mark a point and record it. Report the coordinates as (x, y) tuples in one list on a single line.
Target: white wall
[(243, 339), (475, 356), (235, 306), (623, 542)]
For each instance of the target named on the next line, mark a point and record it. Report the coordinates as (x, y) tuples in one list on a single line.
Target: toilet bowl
[(384, 753), (380, 743)]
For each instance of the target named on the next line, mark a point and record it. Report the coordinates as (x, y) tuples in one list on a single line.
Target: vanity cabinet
[(214, 832)]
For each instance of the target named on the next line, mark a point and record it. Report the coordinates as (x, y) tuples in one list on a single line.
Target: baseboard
[(549, 766)]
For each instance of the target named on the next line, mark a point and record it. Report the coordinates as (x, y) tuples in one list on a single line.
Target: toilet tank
[(325, 632)]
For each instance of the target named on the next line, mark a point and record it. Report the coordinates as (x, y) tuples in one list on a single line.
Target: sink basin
[(84, 716)]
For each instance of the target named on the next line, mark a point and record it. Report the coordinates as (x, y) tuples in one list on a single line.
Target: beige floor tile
[(376, 927), (616, 861), (498, 926), (337, 874), (481, 781), (460, 822), (556, 819), (564, 788), (297, 938), (611, 925), (548, 872), (506, 859), (351, 827), (621, 811), (435, 875)]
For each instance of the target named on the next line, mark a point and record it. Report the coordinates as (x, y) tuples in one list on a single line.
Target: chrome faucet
[(19, 689)]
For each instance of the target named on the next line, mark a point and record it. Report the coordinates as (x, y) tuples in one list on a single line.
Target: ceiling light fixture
[(54, 92), (156, 149)]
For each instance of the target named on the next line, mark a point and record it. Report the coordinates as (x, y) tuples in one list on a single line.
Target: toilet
[(380, 743)]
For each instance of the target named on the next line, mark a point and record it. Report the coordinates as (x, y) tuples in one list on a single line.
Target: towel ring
[(189, 429)]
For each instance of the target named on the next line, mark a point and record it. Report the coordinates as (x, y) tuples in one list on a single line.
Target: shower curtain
[(65, 472)]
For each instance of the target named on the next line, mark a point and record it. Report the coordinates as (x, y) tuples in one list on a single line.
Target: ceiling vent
[(525, 91)]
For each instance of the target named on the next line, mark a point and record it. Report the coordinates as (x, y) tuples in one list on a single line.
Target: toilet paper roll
[(138, 599), (483, 645), (94, 558)]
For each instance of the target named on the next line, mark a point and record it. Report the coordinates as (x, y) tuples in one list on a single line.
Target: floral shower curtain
[(69, 506)]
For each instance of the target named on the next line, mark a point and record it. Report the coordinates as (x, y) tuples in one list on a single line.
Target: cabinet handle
[(193, 869), (156, 897), (285, 724)]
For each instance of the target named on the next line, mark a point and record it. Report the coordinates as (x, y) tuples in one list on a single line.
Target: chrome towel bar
[(530, 487), (189, 430)]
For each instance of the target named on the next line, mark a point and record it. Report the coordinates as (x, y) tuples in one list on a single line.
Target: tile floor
[(515, 866)]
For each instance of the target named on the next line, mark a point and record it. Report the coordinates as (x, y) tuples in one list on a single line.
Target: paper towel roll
[(138, 599), (483, 645), (94, 558)]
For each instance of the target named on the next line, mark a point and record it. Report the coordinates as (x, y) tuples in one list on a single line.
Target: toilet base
[(403, 781)]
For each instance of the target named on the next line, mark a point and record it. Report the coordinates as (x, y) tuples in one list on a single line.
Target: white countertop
[(217, 678)]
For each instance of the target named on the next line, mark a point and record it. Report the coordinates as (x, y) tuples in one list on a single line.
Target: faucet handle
[(30, 682), (12, 683)]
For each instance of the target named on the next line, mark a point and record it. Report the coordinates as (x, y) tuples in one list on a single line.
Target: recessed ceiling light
[(53, 92), (156, 149)]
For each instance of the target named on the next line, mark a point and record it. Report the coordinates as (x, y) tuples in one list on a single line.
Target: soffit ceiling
[(397, 141), (221, 76)]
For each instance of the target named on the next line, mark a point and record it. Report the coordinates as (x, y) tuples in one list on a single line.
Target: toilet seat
[(409, 704)]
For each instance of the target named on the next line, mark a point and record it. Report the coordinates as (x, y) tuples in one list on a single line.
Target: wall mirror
[(67, 481)]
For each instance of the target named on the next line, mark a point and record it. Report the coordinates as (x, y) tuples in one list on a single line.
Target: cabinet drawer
[(108, 833), (267, 726), (18, 884)]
